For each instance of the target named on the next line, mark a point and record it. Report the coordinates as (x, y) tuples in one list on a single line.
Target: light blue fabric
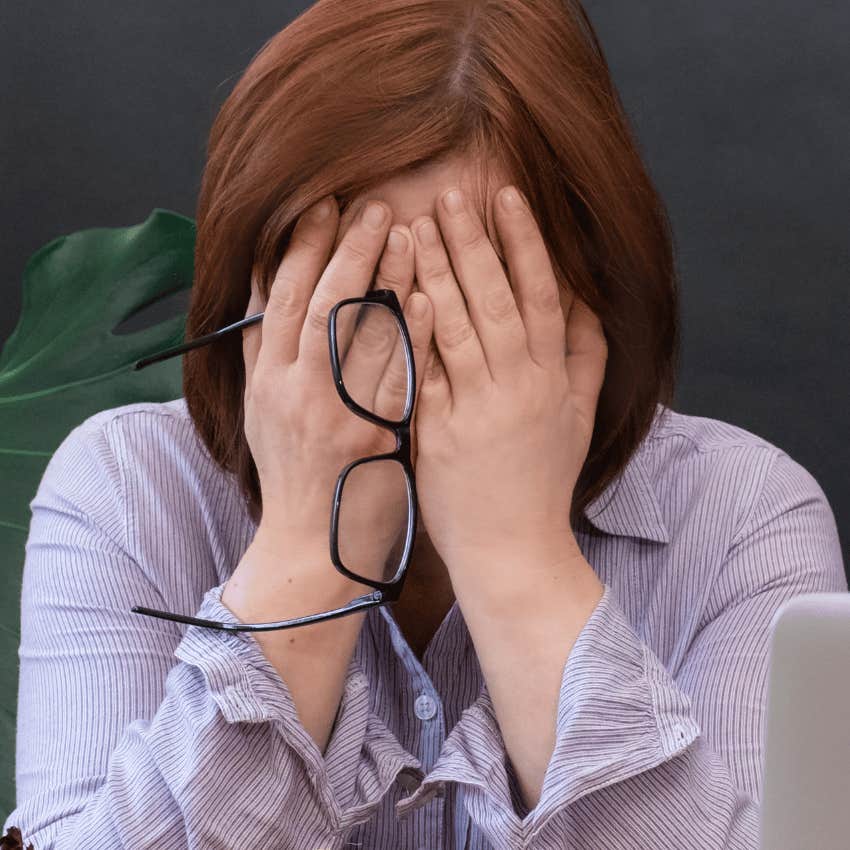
[(140, 732)]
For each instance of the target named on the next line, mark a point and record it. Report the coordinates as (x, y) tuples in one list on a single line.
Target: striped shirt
[(140, 732)]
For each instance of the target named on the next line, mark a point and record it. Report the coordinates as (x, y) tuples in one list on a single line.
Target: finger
[(392, 392), (347, 275), (455, 336), (395, 271), (489, 298), (305, 257), (435, 394), (587, 355), (396, 268), (252, 335), (533, 279), (422, 347), (375, 355)]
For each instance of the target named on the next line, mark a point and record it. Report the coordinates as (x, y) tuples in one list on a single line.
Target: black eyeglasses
[(384, 591)]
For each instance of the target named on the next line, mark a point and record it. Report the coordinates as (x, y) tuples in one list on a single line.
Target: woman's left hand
[(505, 414)]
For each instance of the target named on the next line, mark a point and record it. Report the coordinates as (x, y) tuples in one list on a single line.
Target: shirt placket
[(427, 823)]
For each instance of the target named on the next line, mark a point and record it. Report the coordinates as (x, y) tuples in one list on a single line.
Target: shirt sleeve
[(118, 746), (647, 758)]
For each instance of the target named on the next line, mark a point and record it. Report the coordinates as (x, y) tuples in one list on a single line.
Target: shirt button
[(424, 707)]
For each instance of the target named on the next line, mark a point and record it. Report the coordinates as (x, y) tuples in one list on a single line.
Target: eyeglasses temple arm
[(368, 600), (196, 343)]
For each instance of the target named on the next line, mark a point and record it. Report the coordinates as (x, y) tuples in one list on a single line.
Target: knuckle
[(356, 255), (455, 333), (474, 241), (375, 336), (440, 274), (389, 279), (317, 316), (284, 300), (499, 305), (395, 380), (544, 296), (309, 239)]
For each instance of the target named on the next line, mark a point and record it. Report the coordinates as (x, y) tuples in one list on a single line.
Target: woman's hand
[(300, 433), (506, 412)]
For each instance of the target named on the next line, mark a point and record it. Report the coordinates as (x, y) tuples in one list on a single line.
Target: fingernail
[(374, 215), (427, 233), (321, 210), (397, 242), (511, 199), (453, 202)]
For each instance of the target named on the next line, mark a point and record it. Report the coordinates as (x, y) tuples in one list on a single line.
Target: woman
[(579, 657)]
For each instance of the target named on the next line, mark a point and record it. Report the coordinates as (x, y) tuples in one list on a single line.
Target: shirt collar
[(629, 506)]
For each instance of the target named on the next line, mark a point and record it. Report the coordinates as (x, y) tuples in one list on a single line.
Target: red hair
[(353, 92)]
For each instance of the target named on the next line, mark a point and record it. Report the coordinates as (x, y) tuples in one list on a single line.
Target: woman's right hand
[(299, 431)]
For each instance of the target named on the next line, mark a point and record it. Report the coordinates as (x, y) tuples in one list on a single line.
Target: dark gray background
[(742, 111)]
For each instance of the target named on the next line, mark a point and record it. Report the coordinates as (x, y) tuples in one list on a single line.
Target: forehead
[(416, 192)]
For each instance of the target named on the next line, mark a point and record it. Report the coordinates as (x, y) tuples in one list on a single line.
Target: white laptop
[(806, 791)]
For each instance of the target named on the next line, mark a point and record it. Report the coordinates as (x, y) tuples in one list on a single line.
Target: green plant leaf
[(64, 363)]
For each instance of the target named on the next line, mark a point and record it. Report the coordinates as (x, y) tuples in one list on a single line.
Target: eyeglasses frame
[(384, 591)]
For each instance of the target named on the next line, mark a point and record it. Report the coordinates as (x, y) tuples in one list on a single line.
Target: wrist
[(525, 573), (277, 579)]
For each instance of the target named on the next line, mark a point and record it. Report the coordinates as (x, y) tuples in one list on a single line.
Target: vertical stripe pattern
[(139, 732)]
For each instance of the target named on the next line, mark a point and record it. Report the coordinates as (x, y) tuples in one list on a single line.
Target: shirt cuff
[(619, 714), (363, 757)]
